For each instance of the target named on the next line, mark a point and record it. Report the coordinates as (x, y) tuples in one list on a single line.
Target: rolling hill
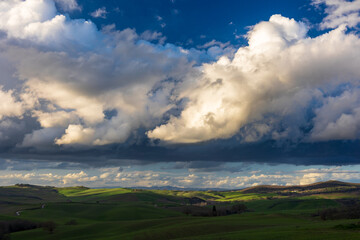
[(261, 212)]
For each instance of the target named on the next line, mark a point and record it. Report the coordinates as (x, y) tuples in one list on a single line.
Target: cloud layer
[(134, 178), (68, 86)]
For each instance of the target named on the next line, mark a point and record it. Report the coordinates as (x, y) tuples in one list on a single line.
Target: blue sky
[(210, 94), (193, 23)]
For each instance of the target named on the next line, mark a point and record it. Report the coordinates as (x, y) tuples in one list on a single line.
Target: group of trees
[(227, 210), (346, 212), (7, 227), (208, 211)]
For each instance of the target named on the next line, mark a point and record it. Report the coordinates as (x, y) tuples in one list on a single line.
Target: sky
[(196, 94)]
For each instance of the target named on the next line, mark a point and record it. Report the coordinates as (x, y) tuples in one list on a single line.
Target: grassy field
[(83, 213)]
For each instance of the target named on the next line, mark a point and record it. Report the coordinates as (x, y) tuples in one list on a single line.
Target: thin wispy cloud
[(99, 13), (339, 12)]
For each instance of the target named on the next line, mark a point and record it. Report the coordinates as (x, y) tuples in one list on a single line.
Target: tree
[(214, 211)]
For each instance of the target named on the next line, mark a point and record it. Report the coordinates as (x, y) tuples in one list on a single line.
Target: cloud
[(149, 179), (99, 13), (269, 90), (161, 21), (68, 5), (76, 134), (207, 166), (88, 73), (128, 177), (218, 49), (338, 118), (339, 12), (72, 178), (151, 36), (9, 106), (38, 21), (36, 165), (323, 174), (41, 137), (49, 178), (214, 43)]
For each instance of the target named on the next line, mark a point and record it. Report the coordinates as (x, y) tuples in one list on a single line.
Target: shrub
[(49, 226)]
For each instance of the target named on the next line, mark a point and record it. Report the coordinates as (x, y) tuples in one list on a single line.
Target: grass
[(89, 212), (246, 226), (277, 205), (110, 214)]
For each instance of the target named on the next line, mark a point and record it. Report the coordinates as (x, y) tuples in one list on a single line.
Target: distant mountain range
[(267, 188)]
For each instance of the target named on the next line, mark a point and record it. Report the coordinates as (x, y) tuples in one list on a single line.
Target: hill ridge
[(305, 187)]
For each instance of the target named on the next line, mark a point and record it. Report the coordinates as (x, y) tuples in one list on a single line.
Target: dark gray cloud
[(207, 166), (205, 157), (32, 165)]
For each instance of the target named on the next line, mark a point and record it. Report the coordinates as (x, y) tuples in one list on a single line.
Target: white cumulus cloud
[(267, 88)]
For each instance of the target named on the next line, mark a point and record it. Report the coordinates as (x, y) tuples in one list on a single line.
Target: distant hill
[(171, 188), (35, 194), (328, 186)]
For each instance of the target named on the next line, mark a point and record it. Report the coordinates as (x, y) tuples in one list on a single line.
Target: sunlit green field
[(82, 213)]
